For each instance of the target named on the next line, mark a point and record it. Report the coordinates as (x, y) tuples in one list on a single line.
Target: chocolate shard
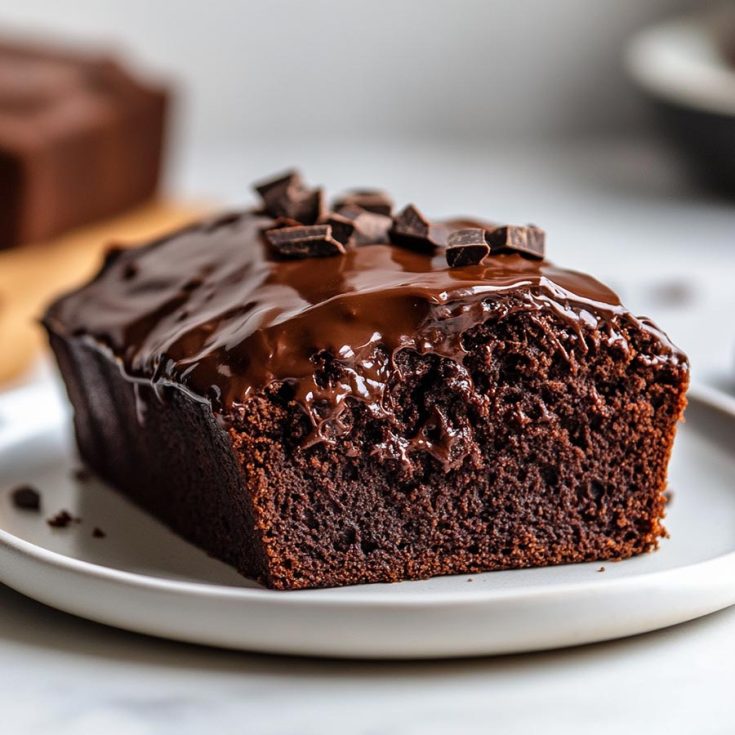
[(314, 241), (308, 207), (528, 240), (342, 227), (274, 189), (466, 247), (287, 196), (26, 497), (371, 200), (411, 229), (370, 228)]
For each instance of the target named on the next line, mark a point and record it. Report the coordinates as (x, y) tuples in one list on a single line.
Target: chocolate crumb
[(62, 519), (315, 241), (601, 569), (98, 533), (26, 497), (668, 496), (466, 247), (82, 474), (411, 229), (529, 240), (371, 200), (130, 271)]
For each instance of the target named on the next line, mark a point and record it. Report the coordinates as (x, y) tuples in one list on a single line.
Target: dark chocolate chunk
[(273, 190), (309, 207), (528, 240), (370, 200), (62, 519), (342, 227), (98, 533), (370, 228), (315, 241), (288, 196), (411, 229), (466, 247), (26, 497)]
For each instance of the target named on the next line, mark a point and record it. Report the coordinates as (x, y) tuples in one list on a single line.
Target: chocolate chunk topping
[(288, 196), (529, 240), (62, 519), (274, 190), (342, 227), (411, 229), (370, 200), (310, 207), (466, 247), (315, 241), (26, 497), (291, 311), (370, 228), (98, 533)]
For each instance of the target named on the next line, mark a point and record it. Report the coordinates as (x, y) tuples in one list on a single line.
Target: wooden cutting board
[(31, 275)]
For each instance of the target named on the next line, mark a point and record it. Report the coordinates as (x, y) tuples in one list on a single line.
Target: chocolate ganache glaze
[(211, 311)]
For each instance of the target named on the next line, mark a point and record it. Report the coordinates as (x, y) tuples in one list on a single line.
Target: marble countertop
[(619, 209), (67, 676)]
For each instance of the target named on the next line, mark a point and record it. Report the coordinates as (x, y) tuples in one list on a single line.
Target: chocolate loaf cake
[(80, 140), (328, 398)]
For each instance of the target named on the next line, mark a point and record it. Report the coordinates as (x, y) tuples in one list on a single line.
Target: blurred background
[(610, 124)]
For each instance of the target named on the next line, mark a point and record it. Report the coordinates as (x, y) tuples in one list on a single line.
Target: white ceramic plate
[(143, 578)]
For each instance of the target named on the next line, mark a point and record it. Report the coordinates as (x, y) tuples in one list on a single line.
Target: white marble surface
[(620, 210)]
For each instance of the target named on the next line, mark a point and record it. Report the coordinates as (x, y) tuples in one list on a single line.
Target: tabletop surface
[(619, 209)]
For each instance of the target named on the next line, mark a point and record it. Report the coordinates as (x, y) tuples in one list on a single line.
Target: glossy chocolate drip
[(209, 311)]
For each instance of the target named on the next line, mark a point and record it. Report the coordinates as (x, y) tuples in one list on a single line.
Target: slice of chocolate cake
[(80, 140), (331, 398)]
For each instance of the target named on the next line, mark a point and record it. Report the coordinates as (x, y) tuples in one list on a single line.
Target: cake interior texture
[(373, 415)]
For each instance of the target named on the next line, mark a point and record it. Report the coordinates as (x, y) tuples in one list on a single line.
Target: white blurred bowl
[(687, 69)]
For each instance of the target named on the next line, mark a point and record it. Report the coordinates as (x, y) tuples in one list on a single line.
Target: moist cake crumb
[(62, 519)]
